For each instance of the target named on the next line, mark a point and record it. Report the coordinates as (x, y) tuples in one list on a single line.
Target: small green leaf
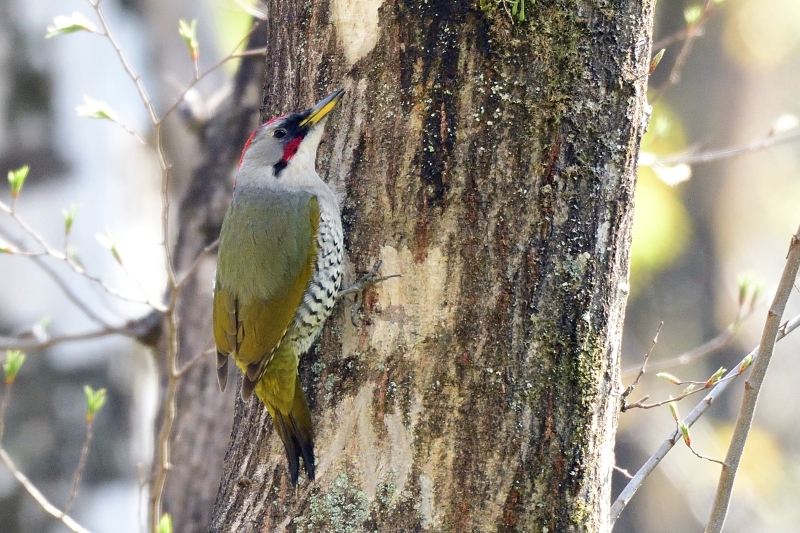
[(63, 24), (188, 30), (16, 179), (69, 217), (96, 109), (6, 248), (745, 281), (685, 433), (656, 60), (669, 377), (716, 377), (692, 14), (688, 389), (165, 524), (108, 241), (746, 363), (95, 399), (12, 364), (673, 409)]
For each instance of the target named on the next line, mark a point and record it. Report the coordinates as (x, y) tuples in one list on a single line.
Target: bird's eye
[(279, 133)]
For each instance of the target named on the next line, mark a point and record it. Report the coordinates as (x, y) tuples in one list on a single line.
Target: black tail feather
[(297, 433)]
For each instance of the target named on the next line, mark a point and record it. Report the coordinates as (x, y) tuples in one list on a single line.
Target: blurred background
[(734, 216), (698, 227), (113, 180)]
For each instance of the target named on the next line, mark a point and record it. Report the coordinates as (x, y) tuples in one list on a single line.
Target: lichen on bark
[(491, 164)]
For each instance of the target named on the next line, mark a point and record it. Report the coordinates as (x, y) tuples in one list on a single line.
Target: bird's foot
[(367, 280)]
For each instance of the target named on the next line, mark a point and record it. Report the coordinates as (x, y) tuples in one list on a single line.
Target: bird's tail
[(297, 433)]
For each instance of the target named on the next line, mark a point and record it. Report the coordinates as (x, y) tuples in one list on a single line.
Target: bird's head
[(287, 145)]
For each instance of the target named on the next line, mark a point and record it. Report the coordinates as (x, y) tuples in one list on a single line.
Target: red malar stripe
[(291, 148)]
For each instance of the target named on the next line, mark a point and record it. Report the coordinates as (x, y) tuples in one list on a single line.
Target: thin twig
[(753, 387), (163, 462), (769, 141), (207, 350), (704, 457), (162, 452), (68, 292), (250, 53), (81, 465), (124, 60), (647, 468), (214, 67), (134, 279), (10, 343), (52, 252), (623, 471), (157, 133), (196, 263), (693, 30), (642, 369), (129, 130), (706, 385), (4, 408), (703, 350), (43, 502), (669, 40)]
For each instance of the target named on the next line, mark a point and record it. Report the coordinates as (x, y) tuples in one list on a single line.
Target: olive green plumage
[(279, 271)]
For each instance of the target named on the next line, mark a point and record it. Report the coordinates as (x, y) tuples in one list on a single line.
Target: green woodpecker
[(279, 271)]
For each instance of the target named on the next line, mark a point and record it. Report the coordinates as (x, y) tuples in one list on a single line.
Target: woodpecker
[(279, 271)]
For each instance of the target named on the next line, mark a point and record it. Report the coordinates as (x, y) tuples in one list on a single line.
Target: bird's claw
[(367, 280)]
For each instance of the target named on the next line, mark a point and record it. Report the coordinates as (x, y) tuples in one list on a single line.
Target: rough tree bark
[(491, 163)]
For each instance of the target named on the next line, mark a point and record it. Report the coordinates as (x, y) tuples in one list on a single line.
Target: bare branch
[(162, 452), (704, 349), (705, 457), (685, 358), (706, 385), (706, 157), (632, 386), (4, 408), (699, 410), (753, 387), (192, 269), (623, 471), (48, 507), (692, 31), (10, 343), (214, 67), (52, 252), (66, 289), (81, 465), (157, 134), (207, 350)]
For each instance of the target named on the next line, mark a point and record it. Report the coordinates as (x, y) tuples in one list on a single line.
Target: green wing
[(267, 253)]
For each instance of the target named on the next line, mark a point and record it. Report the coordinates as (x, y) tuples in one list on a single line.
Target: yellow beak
[(323, 107)]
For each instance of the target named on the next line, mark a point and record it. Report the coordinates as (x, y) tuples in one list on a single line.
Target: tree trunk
[(491, 162)]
